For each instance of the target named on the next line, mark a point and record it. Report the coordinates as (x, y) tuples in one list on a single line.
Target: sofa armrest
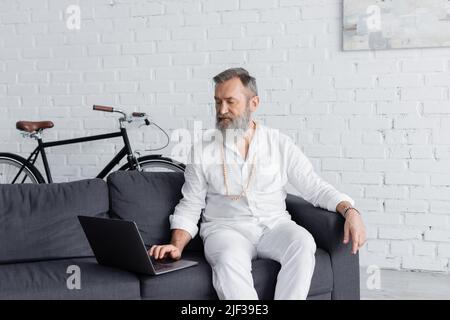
[(327, 228)]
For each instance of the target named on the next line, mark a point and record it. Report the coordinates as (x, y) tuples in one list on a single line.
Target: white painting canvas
[(391, 24)]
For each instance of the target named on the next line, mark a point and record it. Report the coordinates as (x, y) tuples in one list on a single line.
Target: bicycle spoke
[(159, 166), (9, 175), (11, 170), (2, 173)]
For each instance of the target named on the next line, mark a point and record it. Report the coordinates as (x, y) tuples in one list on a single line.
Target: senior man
[(239, 184)]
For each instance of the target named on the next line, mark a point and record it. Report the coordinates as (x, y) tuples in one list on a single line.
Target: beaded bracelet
[(346, 210)]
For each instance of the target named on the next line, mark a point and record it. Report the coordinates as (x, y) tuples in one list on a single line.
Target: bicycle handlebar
[(125, 117), (102, 108)]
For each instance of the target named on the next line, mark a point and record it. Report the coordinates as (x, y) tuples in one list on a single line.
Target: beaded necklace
[(225, 176)]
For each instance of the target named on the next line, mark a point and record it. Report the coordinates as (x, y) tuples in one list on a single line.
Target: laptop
[(118, 243)]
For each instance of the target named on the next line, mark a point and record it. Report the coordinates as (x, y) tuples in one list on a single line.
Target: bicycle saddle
[(31, 126)]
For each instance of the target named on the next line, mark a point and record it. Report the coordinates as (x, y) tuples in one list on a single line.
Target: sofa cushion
[(39, 221), (48, 280), (148, 198), (196, 282)]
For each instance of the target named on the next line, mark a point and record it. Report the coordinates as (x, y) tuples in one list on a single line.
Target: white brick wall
[(376, 124)]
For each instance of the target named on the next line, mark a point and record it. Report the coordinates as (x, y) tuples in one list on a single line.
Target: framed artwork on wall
[(395, 24)]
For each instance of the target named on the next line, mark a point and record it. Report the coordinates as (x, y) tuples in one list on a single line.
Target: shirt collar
[(231, 143)]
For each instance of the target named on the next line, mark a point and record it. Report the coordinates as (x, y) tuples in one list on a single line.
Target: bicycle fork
[(133, 161)]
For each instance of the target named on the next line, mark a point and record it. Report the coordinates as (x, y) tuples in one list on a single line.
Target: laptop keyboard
[(163, 265), (160, 267)]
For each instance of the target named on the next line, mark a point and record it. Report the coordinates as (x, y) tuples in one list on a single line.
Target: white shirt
[(277, 161)]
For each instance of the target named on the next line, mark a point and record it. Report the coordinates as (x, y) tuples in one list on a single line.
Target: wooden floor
[(407, 285)]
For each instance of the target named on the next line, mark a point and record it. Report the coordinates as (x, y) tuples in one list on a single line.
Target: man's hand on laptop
[(173, 250), (165, 251)]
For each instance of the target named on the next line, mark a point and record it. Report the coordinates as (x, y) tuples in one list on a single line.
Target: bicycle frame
[(125, 151)]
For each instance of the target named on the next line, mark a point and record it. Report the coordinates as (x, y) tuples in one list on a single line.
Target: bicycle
[(16, 169)]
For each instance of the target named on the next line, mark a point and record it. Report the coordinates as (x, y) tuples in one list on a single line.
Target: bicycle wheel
[(10, 166), (156, 163)]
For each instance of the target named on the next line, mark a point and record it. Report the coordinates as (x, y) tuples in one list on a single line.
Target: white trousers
[(230, 249)]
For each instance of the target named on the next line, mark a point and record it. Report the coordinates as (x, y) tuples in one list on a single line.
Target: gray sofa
[(40, 237)]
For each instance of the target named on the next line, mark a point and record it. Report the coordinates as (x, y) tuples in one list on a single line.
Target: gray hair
[(247, 80)]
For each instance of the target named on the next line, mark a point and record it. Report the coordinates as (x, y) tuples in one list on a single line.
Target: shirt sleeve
[(310, 185), (187, 212)]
